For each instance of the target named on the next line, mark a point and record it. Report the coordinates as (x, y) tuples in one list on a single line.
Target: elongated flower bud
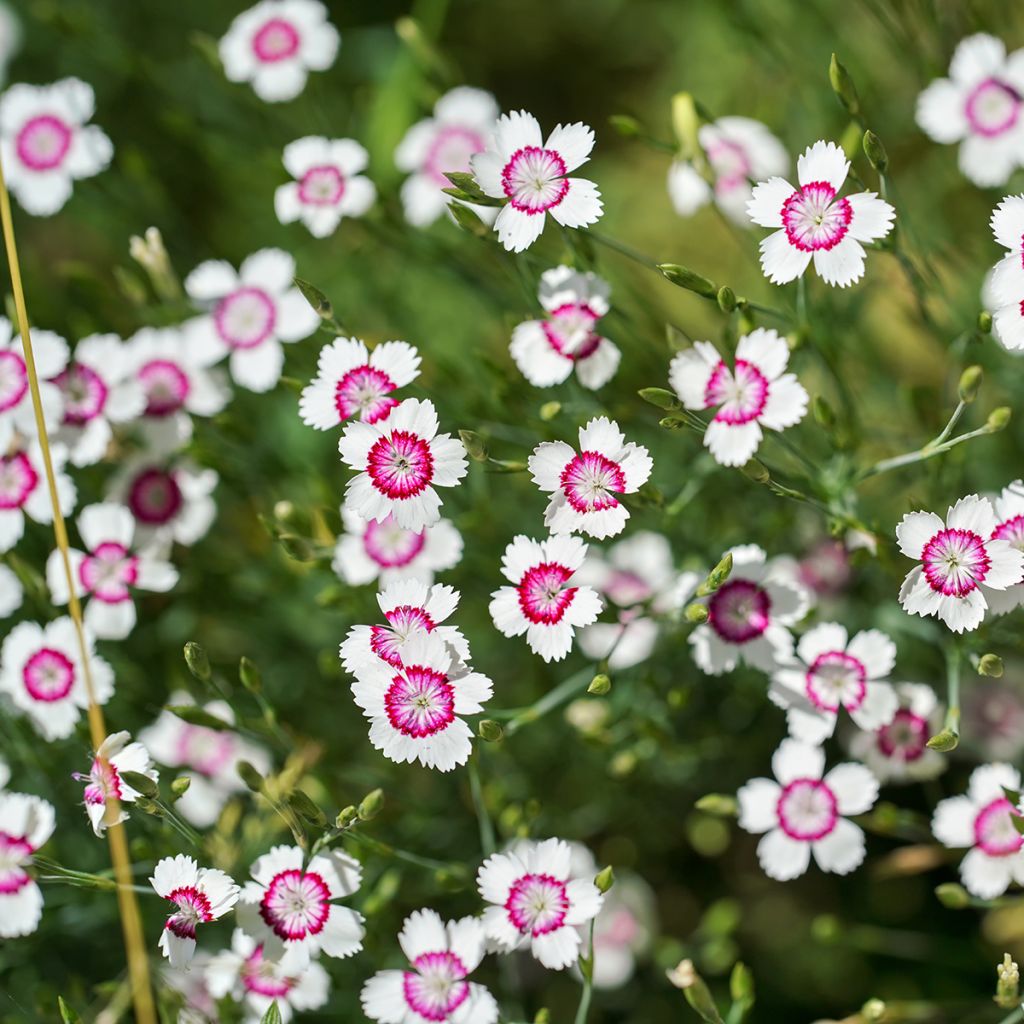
[(843, 87), (689, 279)]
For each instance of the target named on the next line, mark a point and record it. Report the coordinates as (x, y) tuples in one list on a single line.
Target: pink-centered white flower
[(16, 411), (400, 460), (248, 974), (532, 175), (814, 222), (41, 672), (251, 312), (385, 552), (979, 106), (1009, 508), (414, 707), (327, 185), (434, 987), (26, 823), (962, 561), (739, 150), (982, 821), (803, 811), (275, 44), (1003, 292), (899, 752), (352, 382), (287, 902), (752, 394), (200, 895), (535, 902), (47, 144), (547, 351), (462, 121), (834, 671), (12, 593), (23, 489), (583, 484), (750, 615), (543, 602), (109, 570), (116, 754), (408, 607)]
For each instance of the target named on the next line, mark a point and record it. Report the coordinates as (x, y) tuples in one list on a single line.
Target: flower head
[(1003, 292), (23, 490), (26, 823), (16, 411), (116, 754)]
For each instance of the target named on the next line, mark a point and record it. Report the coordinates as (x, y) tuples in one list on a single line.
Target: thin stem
[(588, 981), (552, 699), (410, 858), (922, 454), (953, 689), (487, 840), (1014, 1016), (623, 250), (948, 428)]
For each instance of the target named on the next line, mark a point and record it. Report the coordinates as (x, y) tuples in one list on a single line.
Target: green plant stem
[(551, 700), (929, 451), (588, 982), (487, 839), (622, 250), (953, 688), (1014, 1016), (429, 863)]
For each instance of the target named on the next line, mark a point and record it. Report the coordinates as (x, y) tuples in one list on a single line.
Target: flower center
[(807, 810), (400, 465), (275, 40), (955, 562), (905, 737), (390, 545), (166, 386), (420, 702), (729, 162), (741, 394), (264, 976), (543, 596), (386, 641), (155, 497), (994, 831), (537, 904), (570, 330), (204, 750), (589, 480), (534, 179), (18, 479), (322, 186), (48, 675), (103, 782), (814, 219), (193, 909), (43, 142), (245, 318), (836, 678), (992, 107), (435, 989), (85, 394), (451, 149), (363, 391), (296, 904), (739, 611), (13, 379), (109, 571), (15, 852)]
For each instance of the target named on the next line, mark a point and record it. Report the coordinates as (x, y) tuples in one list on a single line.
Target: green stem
[(1014, 1017), (953, 689), (929, 451), (487, 839), (588, 981), (622, 250), (410, 858), (552, 699)]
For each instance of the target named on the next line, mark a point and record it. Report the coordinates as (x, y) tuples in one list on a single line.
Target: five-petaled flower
[(23, 490), (26, 823), (16, 411), (116, 754), (814, 222)]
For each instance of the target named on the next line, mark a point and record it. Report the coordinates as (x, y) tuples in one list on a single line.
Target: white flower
[(200, 895), (327, 185), (414, 707), (583, 486), (961, 563), (98, 390), (1003, 291), (385, 552), (814, 223), (16, 411), (532, 176), (23, 490), (801, 813), (541, 602), (46, 144), (399, 461), (547, 351), (26, 823), (898, 752), (108, 570), (536, 902), (12, 593), (251, 313), (435, 987), (352, 382), (41, 672), (749, 615), (169, 500), (208, 756), (409, 607), (462, 122), (982, 821), (738, 150), (1009, 508), (275, 44), (116, 754), (247, 974), (754, 392), (292, 904), (979, 106), (834, 672)]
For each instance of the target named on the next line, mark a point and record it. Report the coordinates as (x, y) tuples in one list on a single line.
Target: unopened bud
[(346, 816), (970, 383), (371, 805), (726, 299), (823, 412), (316, 298), (953, 896), (990, 665), (625, 125), (599, 685), (605, 879), (756, 471), (843, 87), (197, 661), (944, 741), (998, 419), (249, 674), (686, 124), (474, 445), (489, 730), (696, 613), (549, 410), (1008, 984), (672, 422), (141, 783), (689, 279), (468, 219), (543, 1016), (985, 322), (741, 985), (250, 776), (872, 1011), (661, 398), (721, 805), (179, 787), (875, 152), (304, 807), (717, 576), (697, 993)]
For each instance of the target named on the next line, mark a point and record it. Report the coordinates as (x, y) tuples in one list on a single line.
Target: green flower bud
[(599, 685), (549, 410), (605, 879), (250, 776), (697, 993), (489, 730), (67, 1015), (468, 219), (273, 1014), (197, 661), (716, 577), (726, 299), (197, 716), (474, 445), (371, 805), (756, 471), (953, 896), (316, 298), (721, 805), (944, 741), (249, 674), (346, 816), (141, 784), (875, 152), (696, 613), (985, 322), (998, 419), (970, 383), (672, 422), (179, 787), (872, 1011), (686, 124), (843, 87), (543, 1016), (304, 807), (823, 412), (689, 279), (990, 665), (626, 126), (741, 985), (661, 398)]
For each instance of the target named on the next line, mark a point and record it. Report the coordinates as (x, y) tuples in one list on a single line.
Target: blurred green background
[(200, 157)]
